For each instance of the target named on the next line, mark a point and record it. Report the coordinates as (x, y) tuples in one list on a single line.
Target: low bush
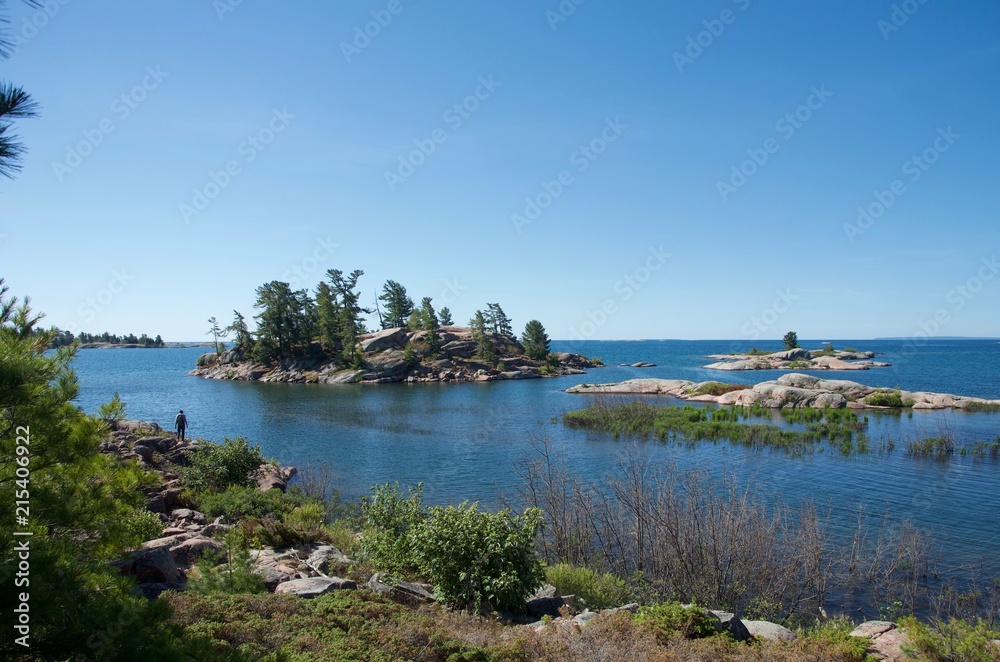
[(672, 620), (592, 589), (952, 641), (240, 502), (216, 467), (886, 399)]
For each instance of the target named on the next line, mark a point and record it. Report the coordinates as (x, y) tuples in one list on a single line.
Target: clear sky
[(616, 170)]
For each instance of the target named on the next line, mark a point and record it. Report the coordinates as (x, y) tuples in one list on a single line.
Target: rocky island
[(402, 355), (797, 359), (792, 391)]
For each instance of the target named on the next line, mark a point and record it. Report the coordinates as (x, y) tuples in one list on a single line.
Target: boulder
[(327, 557), (272, 576), (188, 516), (399, 591), (154, 566), (382, 340), (314, 587), (391, 363), (270, 477), (145, 452), (463, 349), (796, 354), (187, 552), (728, 622), (342, 377), (769, 631)]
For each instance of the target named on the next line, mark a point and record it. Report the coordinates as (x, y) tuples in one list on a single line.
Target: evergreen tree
[(282, 322), (444, 315), (791, 340), (350, 313), (214, 330), (15, 103), (484, 345), (86, 510), (241, 334), (498, 319), (398, 305), (430, 322), (535, 341), (327, 317)]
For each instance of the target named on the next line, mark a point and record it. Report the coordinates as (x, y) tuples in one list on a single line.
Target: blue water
[(462, 440)]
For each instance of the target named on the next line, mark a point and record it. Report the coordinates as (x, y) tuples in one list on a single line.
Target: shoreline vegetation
[(843, 429), (146, 547), (323, 338)]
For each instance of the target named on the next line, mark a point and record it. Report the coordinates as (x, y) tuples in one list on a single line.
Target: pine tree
[(430, 325), (535, 341), (241, 334), (499, 320), (791, 340), (444, 315), (327, 318), (215, 331), (484, 345), (351, 322), (398, 305), (282, 323)]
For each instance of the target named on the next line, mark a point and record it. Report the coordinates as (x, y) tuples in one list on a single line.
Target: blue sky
[(418, 153)]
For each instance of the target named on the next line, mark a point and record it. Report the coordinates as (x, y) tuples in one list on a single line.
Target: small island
[(793, 391), (322, 338), (794, 357)]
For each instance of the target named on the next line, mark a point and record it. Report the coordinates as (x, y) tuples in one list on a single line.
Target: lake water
[(462, 440)]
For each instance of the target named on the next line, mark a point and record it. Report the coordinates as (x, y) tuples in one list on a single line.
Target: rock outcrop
[(793, 390), (796, 359), (386, 360)]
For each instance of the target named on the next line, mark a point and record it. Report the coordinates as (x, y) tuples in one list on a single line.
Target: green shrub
[(834, 637), (954, 641), (227, 572), (592, 589), (672, 620), (216, 467), (239, 502), (113, 410), (475, 559), (388, 519), (883, 398)]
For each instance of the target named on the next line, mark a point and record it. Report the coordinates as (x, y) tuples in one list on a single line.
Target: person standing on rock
[(181, 423)]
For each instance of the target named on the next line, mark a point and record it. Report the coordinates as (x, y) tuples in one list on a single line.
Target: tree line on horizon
[(64, 338), (291, 321)]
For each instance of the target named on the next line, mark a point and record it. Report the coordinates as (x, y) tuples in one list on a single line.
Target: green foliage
[(444, 315), (497, 320), (884, 398), (954, 641), (217, 332), (719, 388), (828, 350), (389, 518), (593, 589), (479, 559), (982, 407), (227, 572), (398, 306), (86, 510), (475, 559), (535, 341), (113, 410), (934, 447), (216, 467), (241, 502), (834, 637), (283, 323), (791, 340), (672, 620), (410, 356), (485, 351), (430, 324), (241, 333), (839, 426)]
